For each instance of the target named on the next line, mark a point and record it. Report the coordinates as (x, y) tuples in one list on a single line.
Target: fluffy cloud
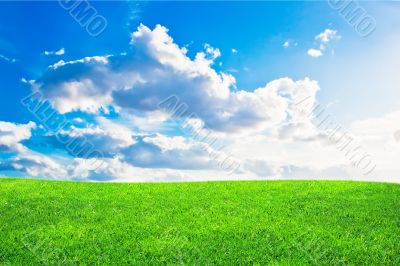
[(142, 138), (12, 134), (35, 164), (323, 39), (105, 136), (117, 170), (314, 52), (158, 68), (135, 83), (327, 35), (213, 52), (25, 160), (168, 152)]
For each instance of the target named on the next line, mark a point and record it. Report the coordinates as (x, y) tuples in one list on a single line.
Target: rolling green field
[(206, 223)]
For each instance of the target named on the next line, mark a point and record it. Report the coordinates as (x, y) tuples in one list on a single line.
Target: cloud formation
[(57, 52), (158, 68), (323, 39), (314, 52), (131, 107), (23, 159), (12, 134)]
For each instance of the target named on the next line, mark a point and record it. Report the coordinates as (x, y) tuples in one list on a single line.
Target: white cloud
[(58, 52), (286, 44), (234, 51), (25, 160), (378, 137), (106, 136), (299, 156), (117, 170), (262, 128), (12, 134), (327, 35), (135, 84), (160, 68), (314, 52), (324, 38), (159, 157), (35, 164), (79, 120), (168, 143), (211, 51), (98, 59)]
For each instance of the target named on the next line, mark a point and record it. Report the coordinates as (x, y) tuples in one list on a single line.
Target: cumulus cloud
[(158, 68), (12, 134), (119, 135), (168, 152), (138, 100), (154, 158), (117, 170), (105, 136), (137, 83), (25, 160), (77, 85), (35, 164)]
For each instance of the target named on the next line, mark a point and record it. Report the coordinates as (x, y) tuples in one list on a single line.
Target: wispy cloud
[(57, 52), (8, 59)]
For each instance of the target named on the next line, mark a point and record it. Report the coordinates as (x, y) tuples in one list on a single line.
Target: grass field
[(223, 223)]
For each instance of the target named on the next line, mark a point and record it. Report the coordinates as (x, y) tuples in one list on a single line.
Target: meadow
[(201, 223)]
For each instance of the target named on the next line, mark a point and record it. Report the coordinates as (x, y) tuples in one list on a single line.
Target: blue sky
[(246, 45)]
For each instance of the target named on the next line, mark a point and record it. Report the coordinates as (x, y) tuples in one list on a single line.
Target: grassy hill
[(225, 223)]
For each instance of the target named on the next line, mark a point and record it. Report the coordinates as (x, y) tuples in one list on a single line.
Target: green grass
[(223, 223)]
